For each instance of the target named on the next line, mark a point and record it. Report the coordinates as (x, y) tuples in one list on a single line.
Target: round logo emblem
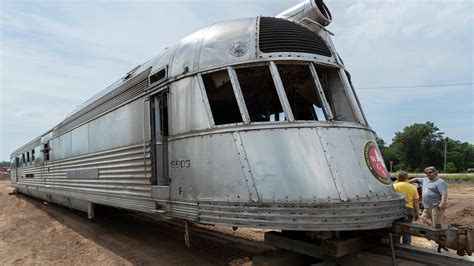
[(375, 163), (238, 49)]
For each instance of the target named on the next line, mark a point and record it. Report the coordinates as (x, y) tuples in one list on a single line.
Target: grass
[(450, 178), (459, 178)]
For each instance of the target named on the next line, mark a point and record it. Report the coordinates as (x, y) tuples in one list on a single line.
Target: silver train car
[(246, 123)]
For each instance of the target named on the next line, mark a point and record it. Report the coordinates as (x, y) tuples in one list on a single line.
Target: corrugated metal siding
[(123, 181)]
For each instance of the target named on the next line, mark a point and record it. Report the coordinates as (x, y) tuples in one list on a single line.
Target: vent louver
[(279, 35)]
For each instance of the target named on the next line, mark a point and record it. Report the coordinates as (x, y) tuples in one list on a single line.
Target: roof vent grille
[(280, 35), (158, 76)]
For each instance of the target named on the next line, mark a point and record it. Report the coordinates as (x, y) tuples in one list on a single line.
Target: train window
[(46, 151), (260, 94), (335, 94), (220, 94), (160, 108), (301, 92)]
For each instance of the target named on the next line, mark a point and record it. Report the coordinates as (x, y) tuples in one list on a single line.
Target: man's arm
[(416, 208), (443, 190), (413, 180), (444, 202)]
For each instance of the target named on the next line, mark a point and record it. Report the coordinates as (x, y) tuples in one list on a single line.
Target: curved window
[(224, 107), (302, 93), (281, 91), (260, 95), (336, 94)]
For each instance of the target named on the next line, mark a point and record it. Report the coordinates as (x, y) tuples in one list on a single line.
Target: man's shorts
[(436, 215)]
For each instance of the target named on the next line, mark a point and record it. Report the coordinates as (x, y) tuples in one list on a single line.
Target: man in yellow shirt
[(411, 199)]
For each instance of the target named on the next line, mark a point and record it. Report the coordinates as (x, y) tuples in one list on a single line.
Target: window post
[(238, 95), (281, 92), (352, 98), (326, 106)]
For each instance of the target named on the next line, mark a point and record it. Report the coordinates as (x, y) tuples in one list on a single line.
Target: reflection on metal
[(314, 10), (459, 238)]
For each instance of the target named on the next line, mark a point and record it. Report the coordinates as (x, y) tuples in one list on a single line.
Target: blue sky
[(57, 54)]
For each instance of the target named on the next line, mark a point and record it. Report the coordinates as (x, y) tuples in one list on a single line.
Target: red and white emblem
[(374, 160)]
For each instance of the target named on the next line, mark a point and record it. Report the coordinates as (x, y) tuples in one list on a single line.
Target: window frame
[(348, 90)]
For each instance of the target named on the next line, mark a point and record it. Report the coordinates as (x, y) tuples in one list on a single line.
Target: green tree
[(387, 153), (460, 153), (451, 168), (417, 146)]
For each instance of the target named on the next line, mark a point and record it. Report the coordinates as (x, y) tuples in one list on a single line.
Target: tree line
[(420, 145)]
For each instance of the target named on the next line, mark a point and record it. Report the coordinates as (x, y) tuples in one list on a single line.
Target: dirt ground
[(32, 232)]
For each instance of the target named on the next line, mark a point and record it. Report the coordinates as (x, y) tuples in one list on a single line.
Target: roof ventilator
[(157, 77), (283, 36)]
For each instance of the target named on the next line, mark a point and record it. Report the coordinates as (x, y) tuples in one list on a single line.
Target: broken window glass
[(301, 91), (260, 95), (335, 94), (220, 94)]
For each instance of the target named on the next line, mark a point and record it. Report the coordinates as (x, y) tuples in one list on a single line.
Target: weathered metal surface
[(316, 216), (187, 111), (459, 238)]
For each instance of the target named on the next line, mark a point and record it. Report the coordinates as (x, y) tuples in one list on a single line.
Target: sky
[(54, 55)]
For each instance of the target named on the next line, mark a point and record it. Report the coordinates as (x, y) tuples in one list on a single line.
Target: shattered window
[(335, 94), (260, 95), (301, 91), (220, 94)]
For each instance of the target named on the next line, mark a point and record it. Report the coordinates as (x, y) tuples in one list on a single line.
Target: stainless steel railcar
[(250, 123)]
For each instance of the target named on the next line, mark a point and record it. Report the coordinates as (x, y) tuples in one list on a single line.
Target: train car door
[(44, 160), (159, 147)]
